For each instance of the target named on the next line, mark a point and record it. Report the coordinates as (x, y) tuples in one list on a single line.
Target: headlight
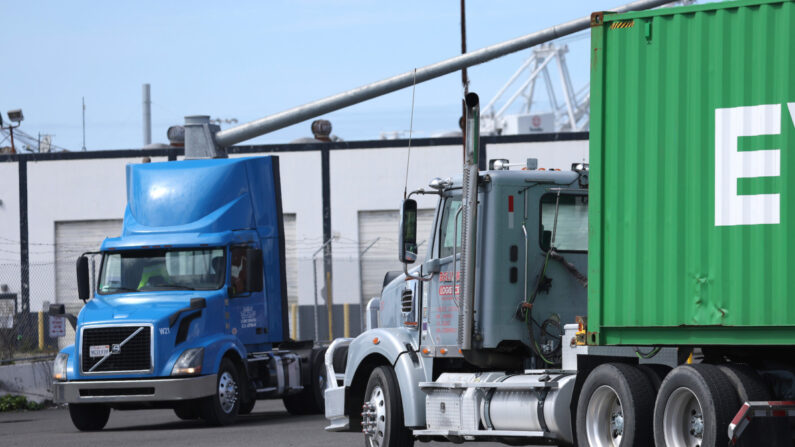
[(190, 362), (59, 366)]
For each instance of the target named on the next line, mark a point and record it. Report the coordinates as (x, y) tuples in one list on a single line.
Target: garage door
[(73, 238), (380, 228)]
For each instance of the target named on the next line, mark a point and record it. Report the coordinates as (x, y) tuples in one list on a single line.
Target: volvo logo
[(114, 349)]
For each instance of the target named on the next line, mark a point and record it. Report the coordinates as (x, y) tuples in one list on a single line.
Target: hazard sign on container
[(57, 327)]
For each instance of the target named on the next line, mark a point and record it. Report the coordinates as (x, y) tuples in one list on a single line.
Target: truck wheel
[(89, 417), (655, 373), (615, 407), (382, 412), (248, 398), (187, 410), (246, 406), (222, 407), (750, 387), (310, 399), (694, 406), (319, 380), (296, 405)]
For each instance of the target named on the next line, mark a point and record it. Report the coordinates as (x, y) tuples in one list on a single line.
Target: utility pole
[(11, 132), (464, 79), (147, 115), (84, 123)]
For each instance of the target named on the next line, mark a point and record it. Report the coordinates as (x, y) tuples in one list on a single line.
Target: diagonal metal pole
[(295, 115)]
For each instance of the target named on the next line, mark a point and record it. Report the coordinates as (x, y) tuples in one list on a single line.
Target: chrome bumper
[(151, 390), (335, 393)]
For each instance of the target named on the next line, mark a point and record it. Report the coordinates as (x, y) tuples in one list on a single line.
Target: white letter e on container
[(731, 165)]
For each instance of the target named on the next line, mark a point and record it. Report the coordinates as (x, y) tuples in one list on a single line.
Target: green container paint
[(692, 202)]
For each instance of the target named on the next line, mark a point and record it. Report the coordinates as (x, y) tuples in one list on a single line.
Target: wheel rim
[(374, 418), (227, 392), (683, 419), (604, 420)]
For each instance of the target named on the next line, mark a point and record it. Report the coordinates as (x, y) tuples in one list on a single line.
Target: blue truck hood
[(140, 307)]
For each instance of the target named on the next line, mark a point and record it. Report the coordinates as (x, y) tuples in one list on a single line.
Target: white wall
[(9, 226), (57, 191), (361, 179)]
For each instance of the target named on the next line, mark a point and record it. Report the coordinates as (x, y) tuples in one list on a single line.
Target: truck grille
[(135, 355)]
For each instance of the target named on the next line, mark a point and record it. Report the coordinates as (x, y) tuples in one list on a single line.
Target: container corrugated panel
[(692, 196)]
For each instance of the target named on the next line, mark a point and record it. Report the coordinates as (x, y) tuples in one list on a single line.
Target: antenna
[(411, 128)]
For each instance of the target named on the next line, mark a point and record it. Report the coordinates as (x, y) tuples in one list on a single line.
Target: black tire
[(187, 411), (310, 399), (608, 389), (89, 417), (296, 405), (222, 407), (695, 404), (750, 387), (382, 399), (247, 406), (248, 399), (656, 374), (319, 379)]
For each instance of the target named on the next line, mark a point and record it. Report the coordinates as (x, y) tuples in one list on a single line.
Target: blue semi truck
[(189, 309)]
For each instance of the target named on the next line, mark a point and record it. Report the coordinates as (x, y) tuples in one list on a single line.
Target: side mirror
[(254, 276), (57, 309), (407, 248), (83, 287)]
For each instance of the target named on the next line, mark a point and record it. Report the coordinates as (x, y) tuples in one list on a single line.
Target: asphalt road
[(268, 425)]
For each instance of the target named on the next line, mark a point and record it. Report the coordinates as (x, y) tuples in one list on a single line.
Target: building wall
[(361, 179), (9, 227)]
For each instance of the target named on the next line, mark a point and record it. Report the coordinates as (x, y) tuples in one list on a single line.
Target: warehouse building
[(75, 200)]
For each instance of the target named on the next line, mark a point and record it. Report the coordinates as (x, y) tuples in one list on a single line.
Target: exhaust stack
[(469, 202)]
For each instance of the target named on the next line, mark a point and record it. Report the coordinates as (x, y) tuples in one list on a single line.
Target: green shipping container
[(692, 201)]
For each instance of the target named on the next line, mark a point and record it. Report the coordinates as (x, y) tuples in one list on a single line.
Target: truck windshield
[(162, 269)]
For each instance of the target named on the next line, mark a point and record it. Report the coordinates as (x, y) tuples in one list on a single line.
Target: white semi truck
[(488, 340)]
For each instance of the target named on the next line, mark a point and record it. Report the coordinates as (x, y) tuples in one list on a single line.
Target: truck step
[(471, 435), (489, 385)]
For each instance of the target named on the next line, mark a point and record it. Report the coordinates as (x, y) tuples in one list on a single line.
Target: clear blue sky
[(249, 59)]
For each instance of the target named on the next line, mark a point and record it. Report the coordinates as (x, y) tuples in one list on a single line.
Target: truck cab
[(189, 309), (530, 252)]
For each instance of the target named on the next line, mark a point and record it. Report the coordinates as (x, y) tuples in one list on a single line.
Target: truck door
[(246, 308), (562, 297), (440, 313)]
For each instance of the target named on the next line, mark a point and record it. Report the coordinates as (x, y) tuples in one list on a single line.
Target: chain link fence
[(32, 333)]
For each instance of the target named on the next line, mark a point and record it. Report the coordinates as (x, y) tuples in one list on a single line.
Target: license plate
[(99, 351)]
